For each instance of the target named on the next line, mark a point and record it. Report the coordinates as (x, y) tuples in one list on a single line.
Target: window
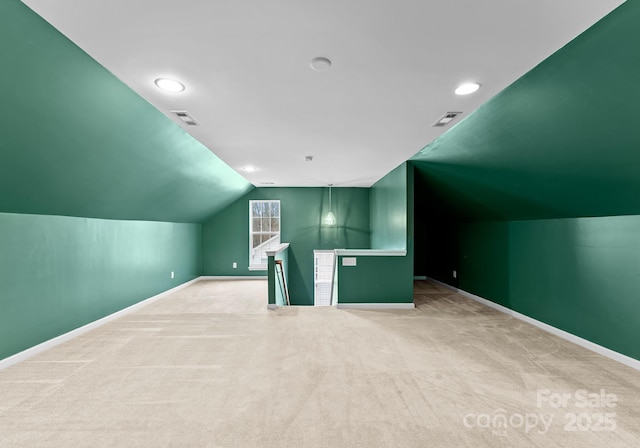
[(264, 231)]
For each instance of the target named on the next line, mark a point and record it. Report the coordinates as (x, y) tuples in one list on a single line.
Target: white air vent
[(446, 119), (185, 117)]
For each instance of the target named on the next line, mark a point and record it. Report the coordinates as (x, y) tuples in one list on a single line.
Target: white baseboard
[(46, 345), (272, 306), (232, 277), (444, 285), (375, 306), (619, 357)]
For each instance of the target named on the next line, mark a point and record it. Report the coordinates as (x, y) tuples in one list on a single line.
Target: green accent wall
[(76, 141), (579, 275), (226, 235), (59, 273), (386, 279), (389, 210), (560, 142), (375, 280)]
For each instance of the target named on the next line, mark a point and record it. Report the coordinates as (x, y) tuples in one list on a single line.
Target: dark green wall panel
[(579, 275), (76, 141), (375, 280), (226, 235), (562, 141), (389, 210), (385, 279), (484, 260), (59, 273)]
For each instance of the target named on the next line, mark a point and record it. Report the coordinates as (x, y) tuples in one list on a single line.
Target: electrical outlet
[(173, 274), (235, 265), (455, 274)]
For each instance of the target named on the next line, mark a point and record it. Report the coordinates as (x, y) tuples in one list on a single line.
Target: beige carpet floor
[(210, 366)]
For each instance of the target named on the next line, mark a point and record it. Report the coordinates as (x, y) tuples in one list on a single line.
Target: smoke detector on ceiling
[(185, 117), (320, 64), (446, 119)]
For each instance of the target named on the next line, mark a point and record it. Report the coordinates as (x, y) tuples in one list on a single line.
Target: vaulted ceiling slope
[(258, 102), (562, 141), (76, 141)]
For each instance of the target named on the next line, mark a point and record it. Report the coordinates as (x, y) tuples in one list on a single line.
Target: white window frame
[(253, 266)]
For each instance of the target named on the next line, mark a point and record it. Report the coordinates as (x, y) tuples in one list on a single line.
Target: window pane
[(275, 209), (275, 225), (256, 241), (257, 224), (266, 225), (255, 208)]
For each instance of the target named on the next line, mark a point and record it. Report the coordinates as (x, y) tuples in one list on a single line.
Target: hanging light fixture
[(330, 219)]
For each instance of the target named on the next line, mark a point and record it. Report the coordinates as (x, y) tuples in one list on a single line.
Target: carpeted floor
[(209, 366)]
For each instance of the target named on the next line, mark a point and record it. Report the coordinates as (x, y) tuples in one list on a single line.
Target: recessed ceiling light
[(170, 85), (249, 169), (467, 88), (320, 64)]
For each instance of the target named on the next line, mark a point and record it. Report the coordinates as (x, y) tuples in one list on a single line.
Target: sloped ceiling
[(76, 141), (245, 65), (562, 141)]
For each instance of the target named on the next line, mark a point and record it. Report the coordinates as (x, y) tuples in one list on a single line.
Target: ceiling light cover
[(320, 64), (169, 85), (467, 88)]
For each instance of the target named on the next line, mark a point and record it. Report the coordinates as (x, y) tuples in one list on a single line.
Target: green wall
[(59, 273), (386, 279), (375, 280), (75, 141), (580, 275), (389, 210), (226, 235), (560, 142)]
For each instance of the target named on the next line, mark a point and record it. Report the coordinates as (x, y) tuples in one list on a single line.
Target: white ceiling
[(245, 64)]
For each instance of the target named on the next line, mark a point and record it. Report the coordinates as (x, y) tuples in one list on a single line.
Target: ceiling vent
[(446, 119), (185, 117)]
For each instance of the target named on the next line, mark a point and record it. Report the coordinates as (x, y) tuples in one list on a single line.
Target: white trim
[(611, 354), (232, 277), (272, 306), (258, 267), (376, 306), (46, 345), (370, 253), (444, 285), (277, 250)]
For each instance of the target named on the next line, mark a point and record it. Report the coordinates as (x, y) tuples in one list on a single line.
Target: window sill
[(259, 267)]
